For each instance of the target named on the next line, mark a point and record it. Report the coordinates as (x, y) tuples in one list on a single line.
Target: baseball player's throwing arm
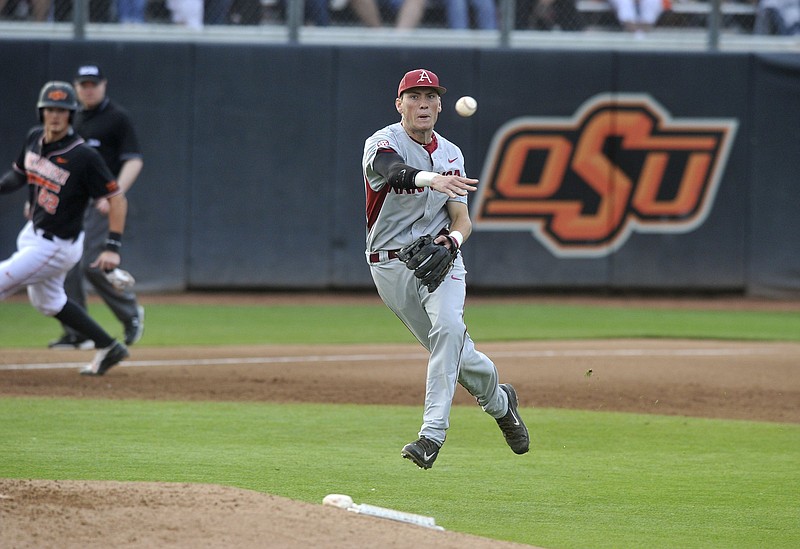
[(451, 185), (390, 165)]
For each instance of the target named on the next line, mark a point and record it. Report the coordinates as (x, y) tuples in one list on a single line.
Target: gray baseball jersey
[(397, 217)]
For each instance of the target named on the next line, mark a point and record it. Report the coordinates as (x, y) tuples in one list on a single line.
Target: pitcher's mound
[(89, 514)]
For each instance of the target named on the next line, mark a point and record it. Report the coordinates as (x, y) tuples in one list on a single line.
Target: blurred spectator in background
[(457, 13), (410, 13), (216, 12), (781, 17), (638, 16), (187, 12), (407, 14), (549, 15), (98, 11), (318, 12), (368, 11), (243, 12), (36, 10), (131, 11)]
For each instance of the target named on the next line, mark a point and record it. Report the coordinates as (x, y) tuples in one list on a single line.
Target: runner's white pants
[(41, 265)]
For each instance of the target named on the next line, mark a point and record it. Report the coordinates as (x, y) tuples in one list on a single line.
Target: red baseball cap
[(420, 78)]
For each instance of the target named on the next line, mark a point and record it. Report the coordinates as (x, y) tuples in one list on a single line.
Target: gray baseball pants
[(122, 304), (437, 321)]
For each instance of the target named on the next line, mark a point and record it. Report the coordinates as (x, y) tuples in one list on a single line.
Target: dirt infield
[(720, 379)]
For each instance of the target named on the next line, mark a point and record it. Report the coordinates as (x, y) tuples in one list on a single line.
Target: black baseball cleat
[(104, 359), (134, 328), (423, 452), (511, 424), (69, 341)]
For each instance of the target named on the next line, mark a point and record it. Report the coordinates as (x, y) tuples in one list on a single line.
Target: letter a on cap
[(423, 75)]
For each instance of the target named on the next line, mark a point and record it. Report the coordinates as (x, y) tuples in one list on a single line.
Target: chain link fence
[(639, 17)]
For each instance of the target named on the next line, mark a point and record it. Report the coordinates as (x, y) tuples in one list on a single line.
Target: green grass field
[(592, 480), (22, 326)]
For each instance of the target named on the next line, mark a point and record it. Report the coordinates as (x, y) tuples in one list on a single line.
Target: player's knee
[(47, 308), (451, 321), (449, 330)]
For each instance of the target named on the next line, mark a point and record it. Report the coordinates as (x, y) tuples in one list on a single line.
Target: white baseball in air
[(466, 106), (338, 500)]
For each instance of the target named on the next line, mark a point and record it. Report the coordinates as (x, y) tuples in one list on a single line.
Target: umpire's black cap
[(89, 72)]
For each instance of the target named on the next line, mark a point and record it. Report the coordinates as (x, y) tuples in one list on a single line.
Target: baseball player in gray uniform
[(416, 185), (62, 174)]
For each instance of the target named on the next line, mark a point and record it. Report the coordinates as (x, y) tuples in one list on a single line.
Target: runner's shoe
[(512, 425), (104, 359), (70, 341), (423, 452)]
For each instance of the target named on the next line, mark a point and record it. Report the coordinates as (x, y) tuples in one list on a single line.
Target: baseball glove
[(430, 262)]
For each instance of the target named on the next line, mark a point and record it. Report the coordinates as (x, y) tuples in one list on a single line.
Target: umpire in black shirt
[(107, 127)]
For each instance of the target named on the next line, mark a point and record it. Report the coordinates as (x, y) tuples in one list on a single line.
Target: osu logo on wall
[(621, 164)]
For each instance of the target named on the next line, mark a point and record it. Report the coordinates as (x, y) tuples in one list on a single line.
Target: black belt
[(374, 257), (47, 235)]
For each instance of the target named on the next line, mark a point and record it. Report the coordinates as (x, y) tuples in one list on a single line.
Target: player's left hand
[(429, 260), (106, 261)]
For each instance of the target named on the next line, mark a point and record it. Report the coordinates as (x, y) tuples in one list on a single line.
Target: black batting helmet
[(60, 95)]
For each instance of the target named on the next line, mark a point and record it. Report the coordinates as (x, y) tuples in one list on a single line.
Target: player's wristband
[(114, 242), (457, 236), (424, 179)]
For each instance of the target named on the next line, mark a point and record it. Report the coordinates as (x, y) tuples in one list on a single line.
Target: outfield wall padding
[(253, 179)]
